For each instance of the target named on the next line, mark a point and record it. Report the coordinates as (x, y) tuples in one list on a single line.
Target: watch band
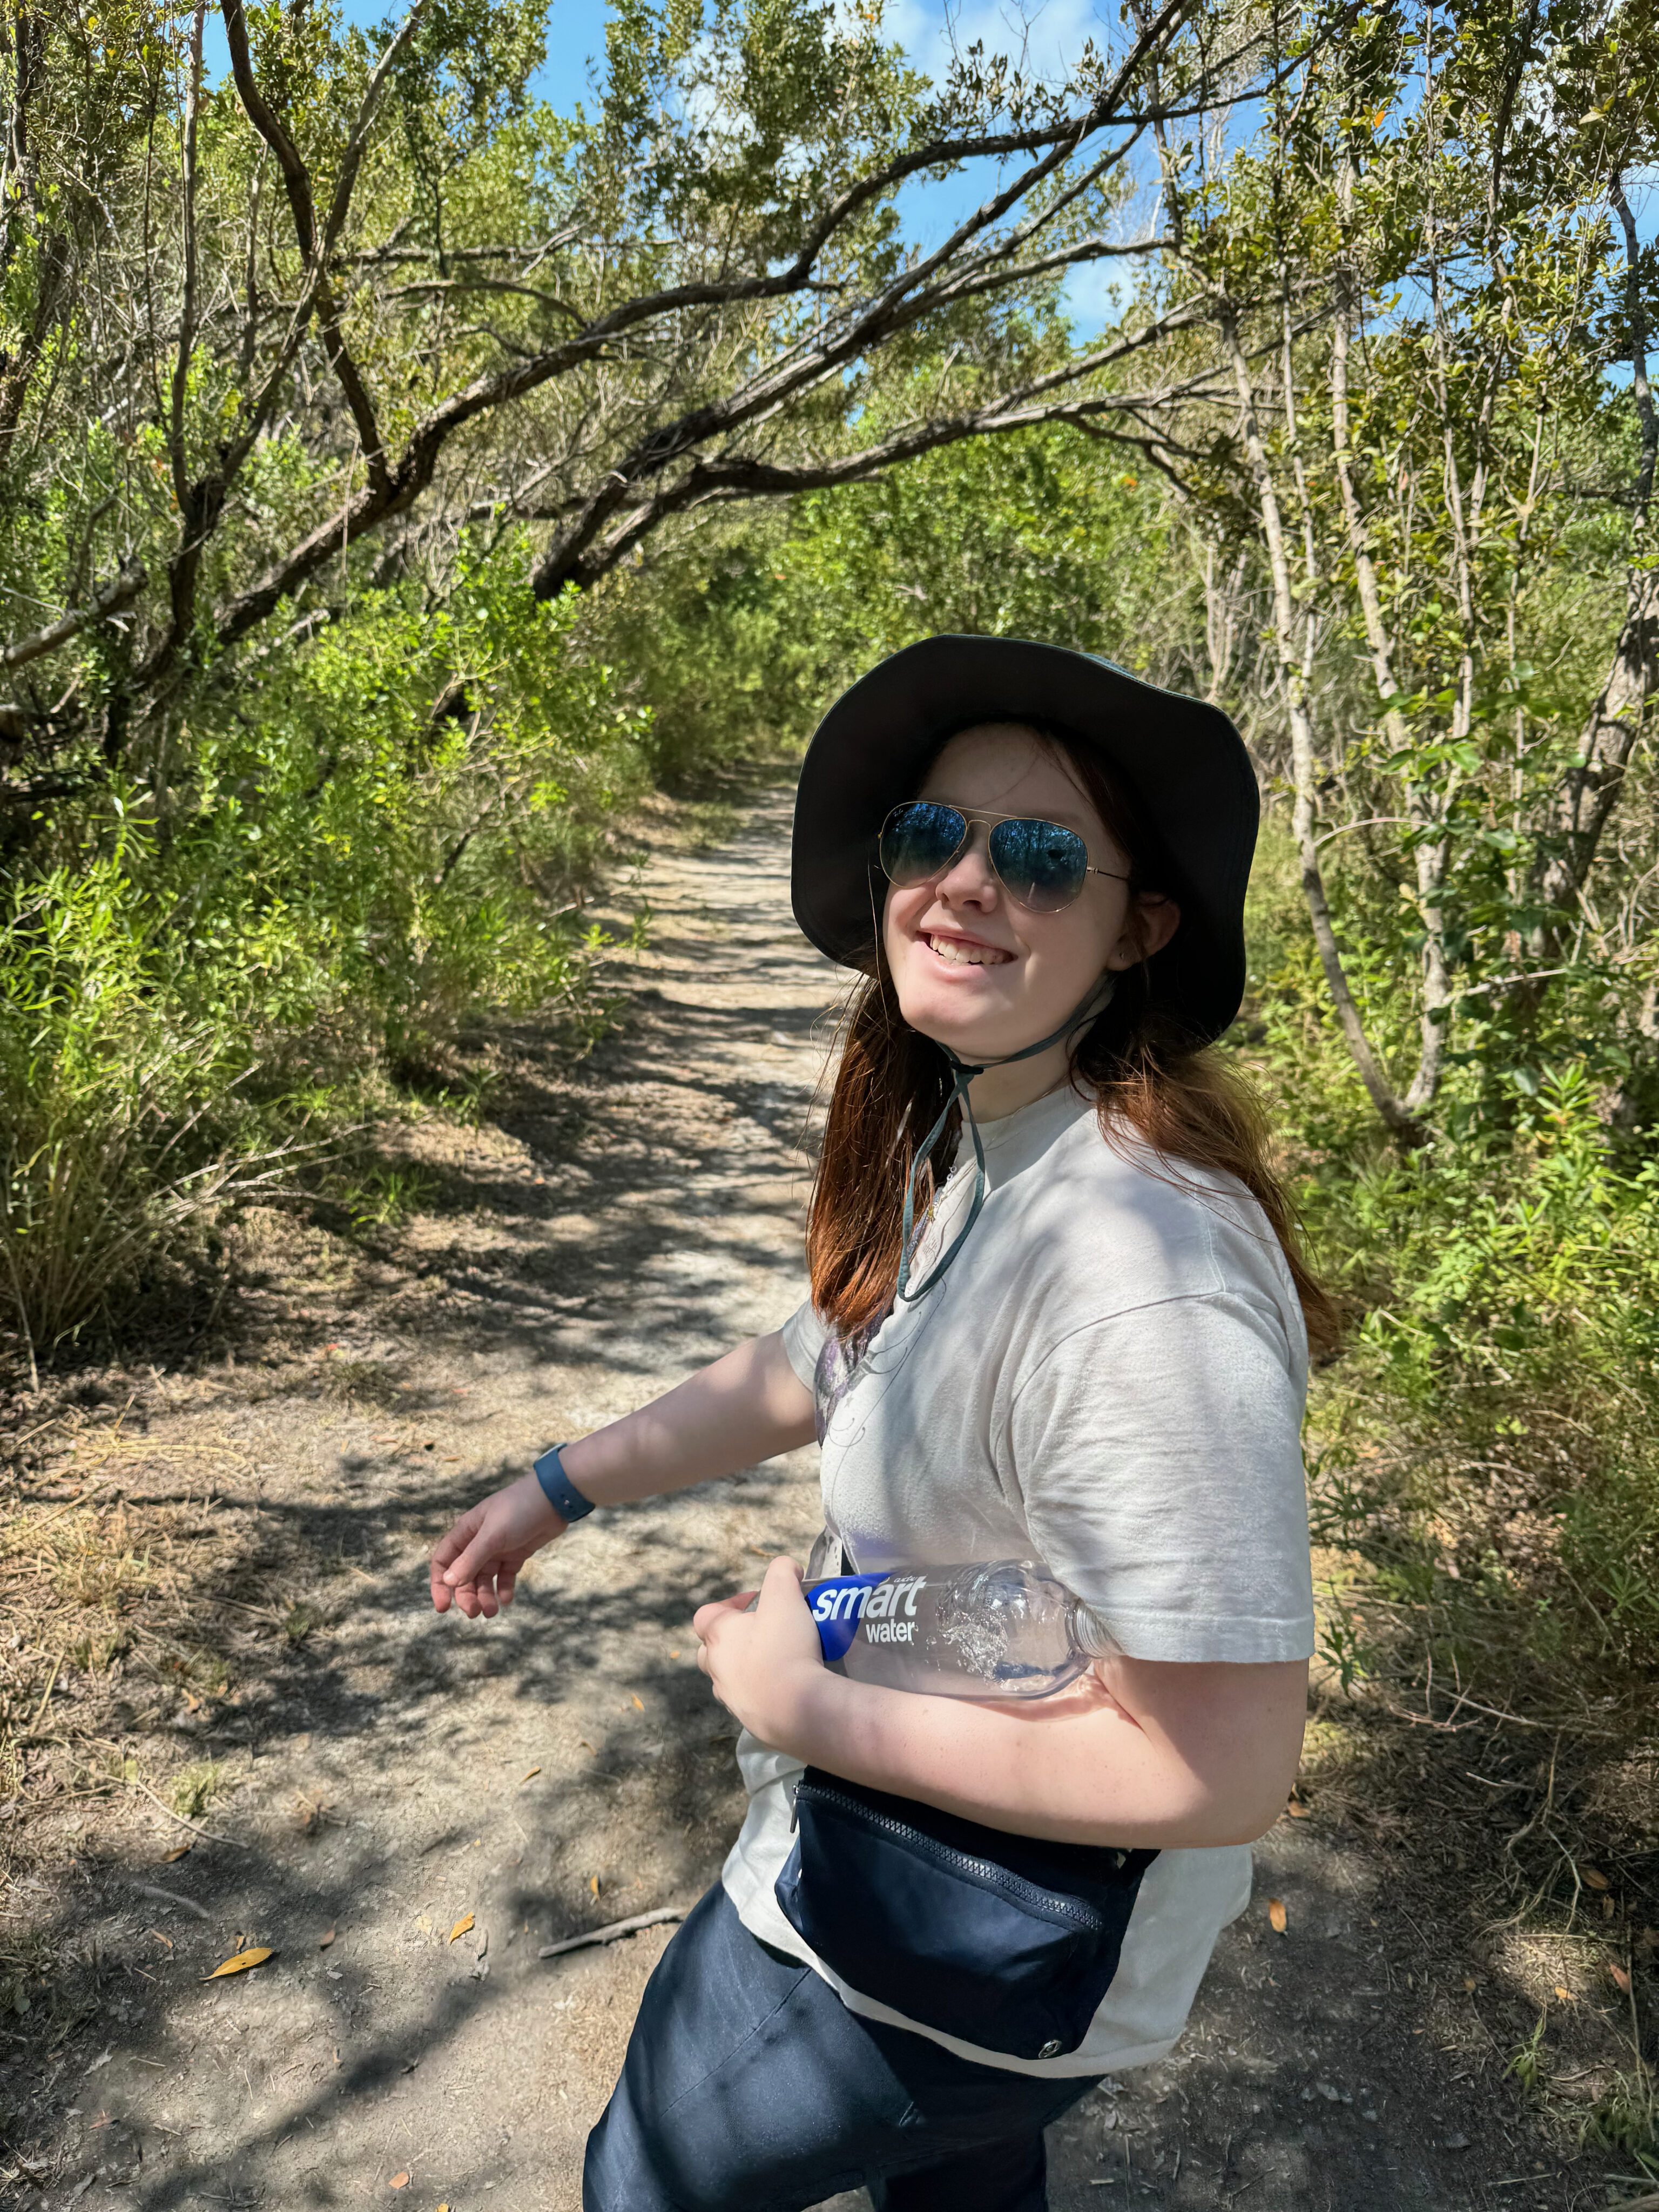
[(562, 1494)]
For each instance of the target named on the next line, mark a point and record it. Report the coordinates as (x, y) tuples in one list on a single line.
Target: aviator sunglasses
[(1042, 866)]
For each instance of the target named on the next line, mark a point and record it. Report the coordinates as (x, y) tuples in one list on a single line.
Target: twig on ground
[(166, 1897), (51, 1683), (101, 1482), (133, 1783), (617, 1928)]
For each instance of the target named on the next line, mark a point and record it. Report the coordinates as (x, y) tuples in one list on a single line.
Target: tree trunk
[(1390, 1108)]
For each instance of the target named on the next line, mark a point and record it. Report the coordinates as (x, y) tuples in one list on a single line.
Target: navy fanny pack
[(1006, 1941)]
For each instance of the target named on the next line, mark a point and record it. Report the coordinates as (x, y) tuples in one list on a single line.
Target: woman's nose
[(970, 880)]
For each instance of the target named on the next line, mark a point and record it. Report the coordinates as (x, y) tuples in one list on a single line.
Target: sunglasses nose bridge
[(975, 847)]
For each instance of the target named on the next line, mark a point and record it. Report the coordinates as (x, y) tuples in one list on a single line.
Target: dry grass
[(1527, 1796), (121, 1616)]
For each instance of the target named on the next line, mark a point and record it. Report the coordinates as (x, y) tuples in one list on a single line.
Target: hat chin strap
[(964, 1072)]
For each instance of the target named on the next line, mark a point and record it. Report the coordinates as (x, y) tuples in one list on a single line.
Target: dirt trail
[(565, 1768)]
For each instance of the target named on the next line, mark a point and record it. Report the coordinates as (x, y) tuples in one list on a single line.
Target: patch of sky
[(1046, 39)]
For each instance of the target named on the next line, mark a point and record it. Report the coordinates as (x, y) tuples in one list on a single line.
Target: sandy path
[(615, 1227)]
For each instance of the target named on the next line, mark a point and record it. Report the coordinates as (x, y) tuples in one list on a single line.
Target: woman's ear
[(1151, 921)]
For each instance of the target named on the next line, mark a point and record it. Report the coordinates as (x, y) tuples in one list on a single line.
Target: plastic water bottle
[(1003, 1629)]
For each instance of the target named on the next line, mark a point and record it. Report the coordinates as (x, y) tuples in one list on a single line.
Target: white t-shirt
[(1109, 1378)]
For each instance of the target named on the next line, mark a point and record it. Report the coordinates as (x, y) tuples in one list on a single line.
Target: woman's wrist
[(810, 1714), (570, 1504)]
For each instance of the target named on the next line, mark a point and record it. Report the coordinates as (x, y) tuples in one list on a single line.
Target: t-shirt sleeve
[(1159, 1455), (804, 1335)]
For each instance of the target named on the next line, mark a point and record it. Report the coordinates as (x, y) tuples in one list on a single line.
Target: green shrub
[(348, 850), (116, 1128), (1508, 1355)]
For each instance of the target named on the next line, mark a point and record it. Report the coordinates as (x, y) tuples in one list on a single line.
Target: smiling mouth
[(958, 954)]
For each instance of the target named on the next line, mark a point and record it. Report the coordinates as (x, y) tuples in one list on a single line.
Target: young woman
[(1085, 1343)]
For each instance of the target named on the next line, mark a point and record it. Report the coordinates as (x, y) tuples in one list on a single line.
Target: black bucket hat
[(1182, 761)]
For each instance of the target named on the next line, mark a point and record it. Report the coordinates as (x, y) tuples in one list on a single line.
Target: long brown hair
[(1155, 1087)]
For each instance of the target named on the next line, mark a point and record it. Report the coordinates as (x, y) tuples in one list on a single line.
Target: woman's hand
[(476, 1564), (764, 1665)]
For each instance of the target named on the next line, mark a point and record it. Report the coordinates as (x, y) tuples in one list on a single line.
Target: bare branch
[(120, 592), (176, 451), (1636, 316), (1389, 1107)]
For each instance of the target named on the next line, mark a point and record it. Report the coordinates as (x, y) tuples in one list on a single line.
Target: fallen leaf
[(530, 1777), (322, 1942), (240, 1961), (1297, 1810), (594, 1885), (1276, 1914), (1565, 1996), (638, 1703), (1621, 1979), (460, 1928), (399, 2181), (1596, 1878), (673, 1654), (169, 1858)]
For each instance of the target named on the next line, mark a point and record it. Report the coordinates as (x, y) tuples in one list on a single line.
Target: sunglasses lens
[(919, 840), (1042, 864)]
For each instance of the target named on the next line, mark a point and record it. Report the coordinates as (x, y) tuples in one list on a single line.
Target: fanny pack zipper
[(1068, 1908)]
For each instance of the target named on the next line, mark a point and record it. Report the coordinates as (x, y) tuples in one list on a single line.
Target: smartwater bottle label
[(837, 1607)]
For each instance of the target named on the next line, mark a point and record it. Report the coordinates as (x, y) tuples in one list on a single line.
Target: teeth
[(967, 956)]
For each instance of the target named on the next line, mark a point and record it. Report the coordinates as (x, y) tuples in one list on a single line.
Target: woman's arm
[(1156, 1755), (748, 1406)]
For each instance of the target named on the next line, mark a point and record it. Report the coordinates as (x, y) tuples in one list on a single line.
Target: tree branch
[(1390, 1108), (186, 340), (120, 592), (315, 250), (1593, 786)]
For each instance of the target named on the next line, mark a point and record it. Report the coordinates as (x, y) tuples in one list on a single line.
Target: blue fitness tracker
[(562, 1494)]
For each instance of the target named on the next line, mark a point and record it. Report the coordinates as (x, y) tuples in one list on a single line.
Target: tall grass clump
[(116, 1112), (1491, 1440)]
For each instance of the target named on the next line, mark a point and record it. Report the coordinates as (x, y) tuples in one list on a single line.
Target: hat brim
[(1182, 759)]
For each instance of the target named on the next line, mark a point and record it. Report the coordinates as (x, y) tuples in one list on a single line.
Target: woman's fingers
[(488, 1546), (716, 1609), (449, 1547), (782, 1577), (476, 1561)]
